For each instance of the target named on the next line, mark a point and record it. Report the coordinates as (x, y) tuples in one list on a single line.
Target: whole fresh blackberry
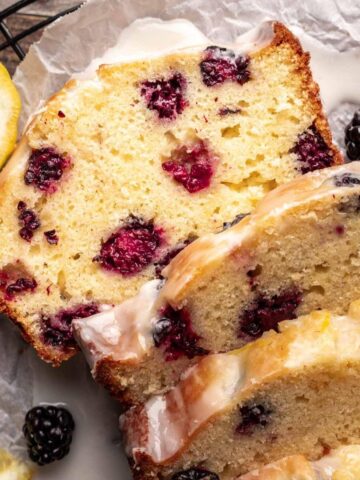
[(48, 431), (352, 137)]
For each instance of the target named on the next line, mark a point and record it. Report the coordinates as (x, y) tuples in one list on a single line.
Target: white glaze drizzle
[(344, 462), (172, 418), (255, 39), (146, 38), (303, 351), (326, 467), (122, 332), (151, 37)]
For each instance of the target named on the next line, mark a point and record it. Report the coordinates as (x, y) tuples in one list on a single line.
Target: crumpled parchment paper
[(69, 45), (16, 385)]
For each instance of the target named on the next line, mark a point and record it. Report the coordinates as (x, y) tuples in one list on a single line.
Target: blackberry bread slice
[(292, 392), (340, 464), (118, 172), (297, 252)]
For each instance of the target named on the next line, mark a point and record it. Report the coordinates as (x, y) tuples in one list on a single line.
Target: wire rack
[(12, 41)]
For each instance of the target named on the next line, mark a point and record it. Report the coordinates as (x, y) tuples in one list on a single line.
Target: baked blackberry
[(28, 221), (352, 137), (195, 474), (266, 312), (233, 222), (45, 169), (48, 431), (175, 334), (252, 417)]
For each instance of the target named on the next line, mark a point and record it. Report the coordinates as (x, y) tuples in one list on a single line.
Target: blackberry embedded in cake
[(115, 173)]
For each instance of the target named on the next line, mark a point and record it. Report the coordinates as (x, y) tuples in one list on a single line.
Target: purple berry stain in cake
[(253, 417), (346, 180), (21, 285), (312, 151), (192, 166), (45, 169), (340, 230), (265, 312), (170, 254), (225, 111), (51, 237), (16, 280), (57, 329), (195, 474), (221, 64), (166, 96), (132, 247), (173, 332), (235, 221), (28, 220)]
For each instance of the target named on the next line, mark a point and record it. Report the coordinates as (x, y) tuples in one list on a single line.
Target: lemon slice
[(13, 469), (9, 114)]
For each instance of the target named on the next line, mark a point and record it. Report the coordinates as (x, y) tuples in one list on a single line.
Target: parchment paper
[(15, 388), (68, 47)]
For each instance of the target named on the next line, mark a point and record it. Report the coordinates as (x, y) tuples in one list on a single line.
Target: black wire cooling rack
[(12, 41)]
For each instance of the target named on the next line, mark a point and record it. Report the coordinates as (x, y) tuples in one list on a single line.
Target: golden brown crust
[(54, 356), (48, 354), (284, 35), (104, 375)]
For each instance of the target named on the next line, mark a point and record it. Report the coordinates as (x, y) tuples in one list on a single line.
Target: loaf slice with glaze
[(298, 251), (340, 464), (292, 392), (117, 173)]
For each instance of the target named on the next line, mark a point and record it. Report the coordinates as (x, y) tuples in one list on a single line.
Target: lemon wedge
[(9, 114), (12, 468)]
